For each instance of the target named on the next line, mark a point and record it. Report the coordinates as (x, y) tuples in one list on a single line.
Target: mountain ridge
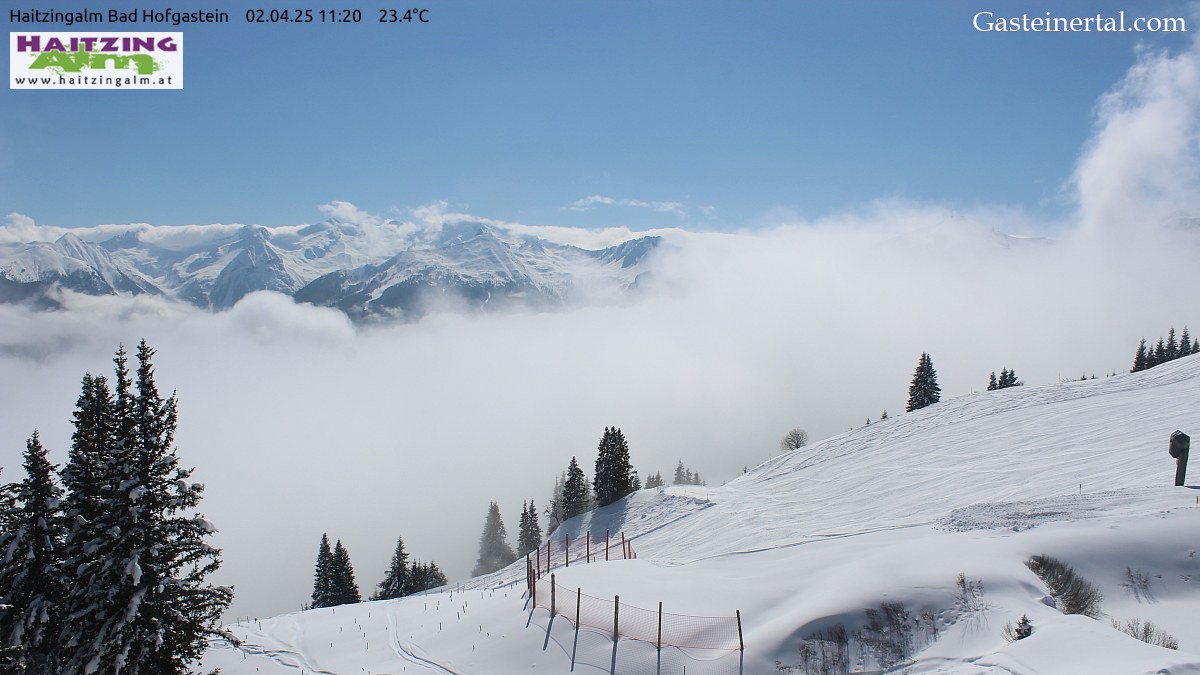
[(370, 272)]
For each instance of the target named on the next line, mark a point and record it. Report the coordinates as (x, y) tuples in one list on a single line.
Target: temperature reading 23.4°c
[(414, 15)]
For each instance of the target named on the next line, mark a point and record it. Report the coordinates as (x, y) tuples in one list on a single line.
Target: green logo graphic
[(74, 62)]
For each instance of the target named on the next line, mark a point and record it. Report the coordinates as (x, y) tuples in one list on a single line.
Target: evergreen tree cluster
[(105, 573), (1008, 378), (654, 480), (405, 578), (333, 583), (494, 551), (1166, 350), (529, 536), (615, 477), (684, 476), (924, 390)]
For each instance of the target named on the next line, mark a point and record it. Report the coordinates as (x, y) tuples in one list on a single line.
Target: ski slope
[(891, 512)]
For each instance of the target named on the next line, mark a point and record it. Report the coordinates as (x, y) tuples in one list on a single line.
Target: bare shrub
[(824, 653), (1147, 632), (793, 440), (970, 595), (1075, 595)]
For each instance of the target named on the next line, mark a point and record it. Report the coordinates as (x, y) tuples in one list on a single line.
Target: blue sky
[(707, 115)]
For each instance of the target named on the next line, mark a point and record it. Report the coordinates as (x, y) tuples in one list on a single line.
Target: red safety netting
[(622, 620)]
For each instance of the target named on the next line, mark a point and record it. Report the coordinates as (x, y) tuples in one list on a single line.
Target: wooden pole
[(606, 546), (741, 644), (578, 597), (552, 605), (623, 555), (660, 625), (588, 546), (616, 615)]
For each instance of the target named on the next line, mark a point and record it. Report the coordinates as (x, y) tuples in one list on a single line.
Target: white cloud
[(1143, 164), (592, 201), (347, 212)]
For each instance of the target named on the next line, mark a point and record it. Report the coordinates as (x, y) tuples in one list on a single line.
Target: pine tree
[(654, 480), (614, 475), (396, 582), (32, 580), (138, 603), (554, 511), (924, 390), (884, 416), (425, 576), (1196, 345), (1185, 343), (1160, 352), (576, 495), (1141, 358), (681, 474), (323, 594), (1172, 351), (494, 551), (345, 589), (529, 537), (993, 385)]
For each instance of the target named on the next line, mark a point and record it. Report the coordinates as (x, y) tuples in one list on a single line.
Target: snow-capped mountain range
[(369, 271)]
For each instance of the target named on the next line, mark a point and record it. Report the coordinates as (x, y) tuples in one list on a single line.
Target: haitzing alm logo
[(95, 61)]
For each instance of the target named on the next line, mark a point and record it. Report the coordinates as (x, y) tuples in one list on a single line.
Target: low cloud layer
[(300, 423)]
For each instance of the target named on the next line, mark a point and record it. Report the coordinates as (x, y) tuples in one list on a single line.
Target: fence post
[(552, 606), (539, 559), (616, 615), (578, 598), (606, 546), (623, 556), (568, 550), (741, 644), (548, 556), (660, 625), (588, 546)]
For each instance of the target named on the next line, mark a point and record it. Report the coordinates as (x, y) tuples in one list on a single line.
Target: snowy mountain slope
[(368, 271), (892, 512)]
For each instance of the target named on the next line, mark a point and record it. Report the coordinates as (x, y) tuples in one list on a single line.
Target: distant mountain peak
[(373, 271)]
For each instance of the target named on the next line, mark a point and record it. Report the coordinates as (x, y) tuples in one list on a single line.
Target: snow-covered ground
[(891, 512)]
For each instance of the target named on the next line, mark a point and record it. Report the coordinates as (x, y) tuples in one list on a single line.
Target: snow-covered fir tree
[(654, 480), (323, 591), (576, 494), (396, 581), (529, 537), (614, 477), (32, 580), (494, 551), (924, 390), (345, 588), (137, 602)]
